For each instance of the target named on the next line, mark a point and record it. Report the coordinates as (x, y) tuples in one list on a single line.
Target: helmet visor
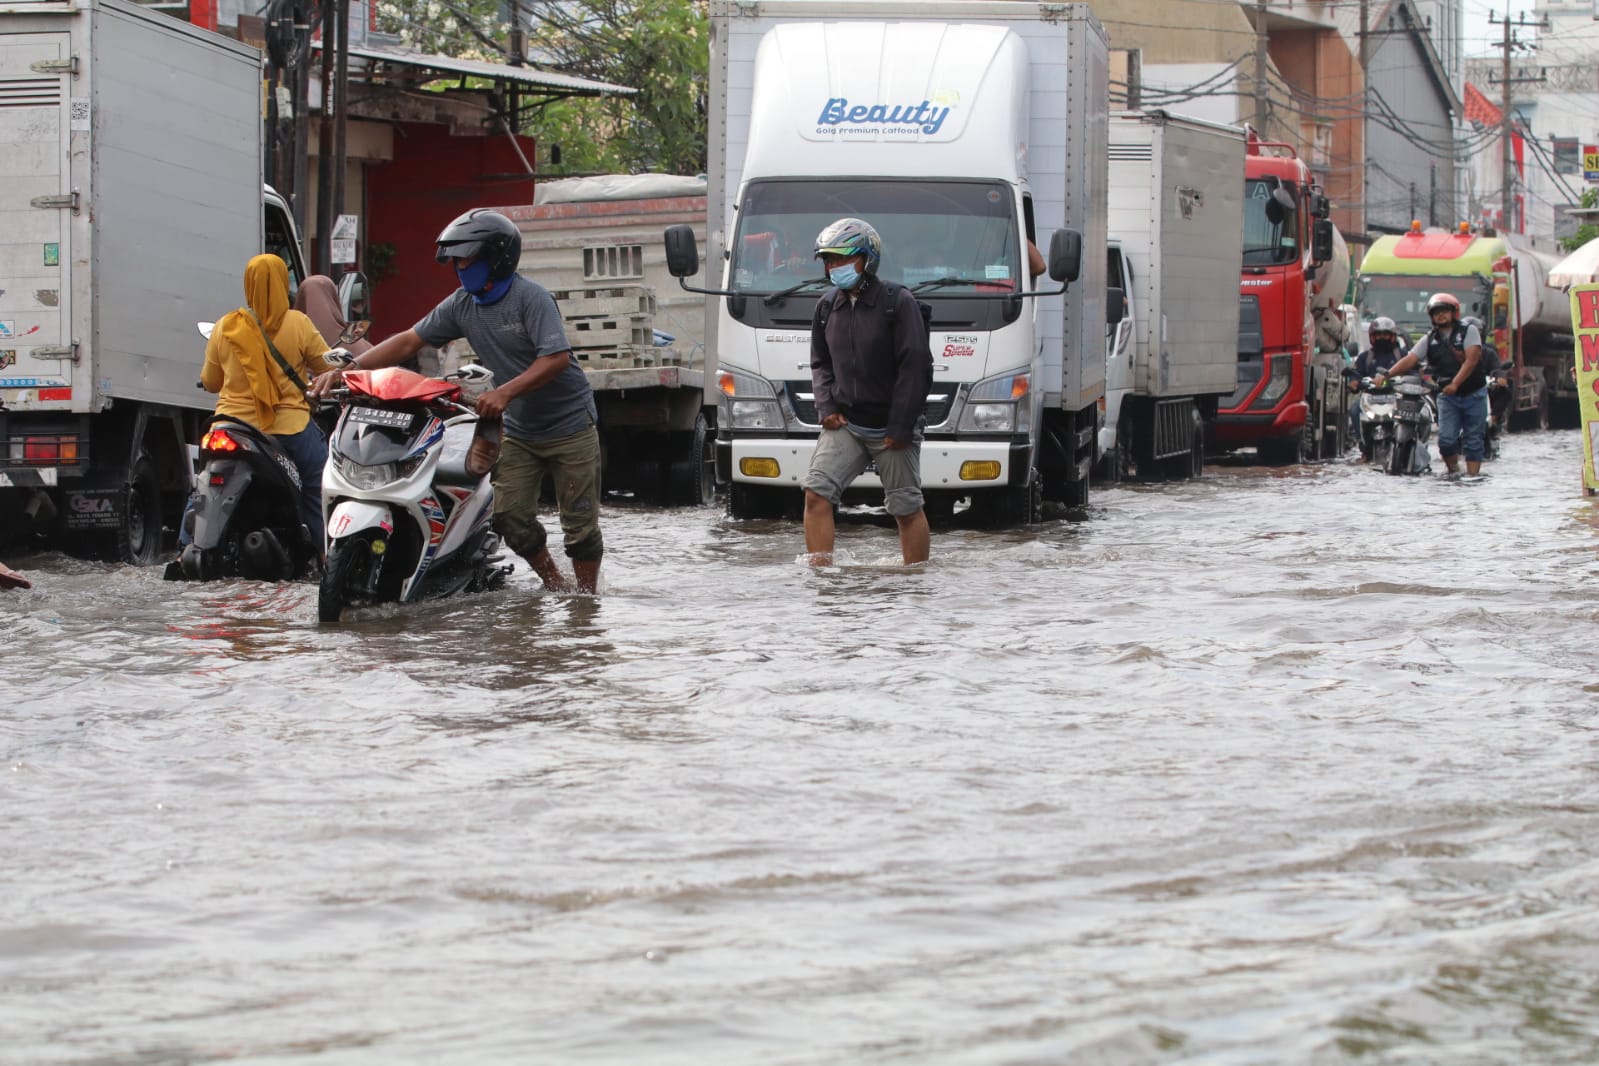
[(458, 250)]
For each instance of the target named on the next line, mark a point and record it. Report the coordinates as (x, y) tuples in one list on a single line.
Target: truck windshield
[(1267, 243), (931, 230), (1404, 299)]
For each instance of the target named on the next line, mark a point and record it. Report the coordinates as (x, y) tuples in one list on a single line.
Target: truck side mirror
[(1065, 255), (682, 253), (354, 304), (1321, 241), (1115, 305)]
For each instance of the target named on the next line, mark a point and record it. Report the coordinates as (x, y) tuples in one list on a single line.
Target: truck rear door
[(36, 119)]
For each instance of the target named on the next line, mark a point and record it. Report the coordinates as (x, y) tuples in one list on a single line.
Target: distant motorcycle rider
[(1452, 352), (1379, 358)]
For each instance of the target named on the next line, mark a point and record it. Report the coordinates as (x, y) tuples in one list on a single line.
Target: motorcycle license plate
[(377, 416)]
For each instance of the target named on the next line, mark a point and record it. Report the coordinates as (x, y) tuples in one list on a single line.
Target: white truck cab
[(946, 126)]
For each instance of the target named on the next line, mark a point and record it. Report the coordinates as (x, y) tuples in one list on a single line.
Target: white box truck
[(961, 131), (1176, 228), (131, 197)]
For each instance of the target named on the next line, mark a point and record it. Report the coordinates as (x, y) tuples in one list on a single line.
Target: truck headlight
[(1280, 374), (998, 405), (750, 400)]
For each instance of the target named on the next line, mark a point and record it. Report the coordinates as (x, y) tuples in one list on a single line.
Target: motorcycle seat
[(452, 457)]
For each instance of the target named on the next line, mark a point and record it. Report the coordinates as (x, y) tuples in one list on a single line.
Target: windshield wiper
[(939, 283), (772, 298)]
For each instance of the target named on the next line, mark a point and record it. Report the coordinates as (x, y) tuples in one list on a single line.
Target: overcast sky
[(1481, 35)]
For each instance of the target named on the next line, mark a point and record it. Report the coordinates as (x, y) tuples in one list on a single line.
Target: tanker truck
[(1546, 339)]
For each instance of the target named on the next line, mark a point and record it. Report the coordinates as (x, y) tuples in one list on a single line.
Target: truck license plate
[(377, 416)]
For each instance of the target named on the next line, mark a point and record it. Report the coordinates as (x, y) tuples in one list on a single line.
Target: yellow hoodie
[(239, 368)]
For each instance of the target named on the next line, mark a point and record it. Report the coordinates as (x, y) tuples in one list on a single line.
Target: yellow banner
[(1585, 324)]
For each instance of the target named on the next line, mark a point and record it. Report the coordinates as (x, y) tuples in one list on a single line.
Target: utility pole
[(1507, 198), (341, 81), (1260, 69), (324, 161)]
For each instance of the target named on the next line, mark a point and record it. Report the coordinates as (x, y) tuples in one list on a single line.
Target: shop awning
[(436, 67)]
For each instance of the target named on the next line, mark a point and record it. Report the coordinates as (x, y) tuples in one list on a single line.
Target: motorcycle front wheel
[(346, 577)]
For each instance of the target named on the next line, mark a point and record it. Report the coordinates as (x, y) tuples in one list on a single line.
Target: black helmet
[(483, 235)]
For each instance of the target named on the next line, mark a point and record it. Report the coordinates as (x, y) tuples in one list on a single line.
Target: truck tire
[(753, 501), (1282, 451), (139, 532), (691, 472), (1018, 505)]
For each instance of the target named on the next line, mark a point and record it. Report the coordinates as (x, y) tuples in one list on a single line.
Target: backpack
[(824, 308)]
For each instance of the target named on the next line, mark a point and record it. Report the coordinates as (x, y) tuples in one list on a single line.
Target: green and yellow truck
[(1496, 281)]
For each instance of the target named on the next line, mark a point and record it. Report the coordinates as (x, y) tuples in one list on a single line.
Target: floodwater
[(1281, 766)]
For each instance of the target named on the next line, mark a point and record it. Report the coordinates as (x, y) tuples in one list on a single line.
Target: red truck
[(1290, 403)]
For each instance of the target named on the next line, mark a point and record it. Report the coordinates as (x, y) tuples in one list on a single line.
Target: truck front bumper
[(1237, 429), (943, 462)]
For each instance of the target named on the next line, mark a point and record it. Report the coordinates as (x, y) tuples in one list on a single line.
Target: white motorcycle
[(406, 495)]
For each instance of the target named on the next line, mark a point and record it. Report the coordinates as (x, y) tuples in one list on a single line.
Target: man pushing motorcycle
[(541, 392), (1452, 352)]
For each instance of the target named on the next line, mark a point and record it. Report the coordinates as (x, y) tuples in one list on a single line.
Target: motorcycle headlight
[(749, 399), (365, 478), (411, 464), (997, 405)]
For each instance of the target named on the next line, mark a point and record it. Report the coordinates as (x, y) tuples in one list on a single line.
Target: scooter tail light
[(218, 440)]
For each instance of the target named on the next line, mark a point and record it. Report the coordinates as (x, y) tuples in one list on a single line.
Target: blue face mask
[(474, 279), (845, 276)]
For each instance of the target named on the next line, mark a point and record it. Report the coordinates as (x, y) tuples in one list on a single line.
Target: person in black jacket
[(871, 369)]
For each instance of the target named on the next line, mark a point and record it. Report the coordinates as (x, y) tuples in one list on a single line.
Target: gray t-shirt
[(1419, 349), (507, 336)]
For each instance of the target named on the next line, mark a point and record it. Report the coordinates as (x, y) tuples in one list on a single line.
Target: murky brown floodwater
[(1205, 777)]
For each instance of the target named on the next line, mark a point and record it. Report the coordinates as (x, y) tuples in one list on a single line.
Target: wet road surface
[(1284, 765)]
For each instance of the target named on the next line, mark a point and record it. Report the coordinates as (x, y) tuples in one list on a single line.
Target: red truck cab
[(1288, 401)]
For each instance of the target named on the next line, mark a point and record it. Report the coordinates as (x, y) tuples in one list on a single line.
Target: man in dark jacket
[(871, 369)]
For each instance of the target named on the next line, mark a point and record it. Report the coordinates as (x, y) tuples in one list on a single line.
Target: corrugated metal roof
[(449, 66)]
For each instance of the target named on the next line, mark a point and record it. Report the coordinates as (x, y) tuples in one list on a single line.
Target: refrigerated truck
[(961, 131), (1176, 211), (130, 187)]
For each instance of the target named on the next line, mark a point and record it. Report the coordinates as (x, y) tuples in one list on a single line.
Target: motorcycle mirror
[(354, 332), (354, 297), (205, 328)]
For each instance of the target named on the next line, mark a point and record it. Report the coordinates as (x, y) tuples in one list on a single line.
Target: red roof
[(1432, 245)]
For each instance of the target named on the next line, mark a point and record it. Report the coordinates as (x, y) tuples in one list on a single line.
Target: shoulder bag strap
[(283, 363)]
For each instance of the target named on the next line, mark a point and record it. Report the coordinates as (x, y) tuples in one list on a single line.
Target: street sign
[(345, 225), (1590, 159)]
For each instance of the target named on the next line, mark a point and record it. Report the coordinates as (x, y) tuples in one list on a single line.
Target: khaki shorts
[(841, 457), (574, 463)]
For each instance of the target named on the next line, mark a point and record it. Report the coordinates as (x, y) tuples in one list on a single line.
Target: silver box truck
[(131, 199), (1177, 227)]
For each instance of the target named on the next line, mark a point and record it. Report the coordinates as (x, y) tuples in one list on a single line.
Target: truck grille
[(936, 409)]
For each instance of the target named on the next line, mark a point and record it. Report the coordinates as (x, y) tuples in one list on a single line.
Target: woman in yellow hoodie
[(252, 386)]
